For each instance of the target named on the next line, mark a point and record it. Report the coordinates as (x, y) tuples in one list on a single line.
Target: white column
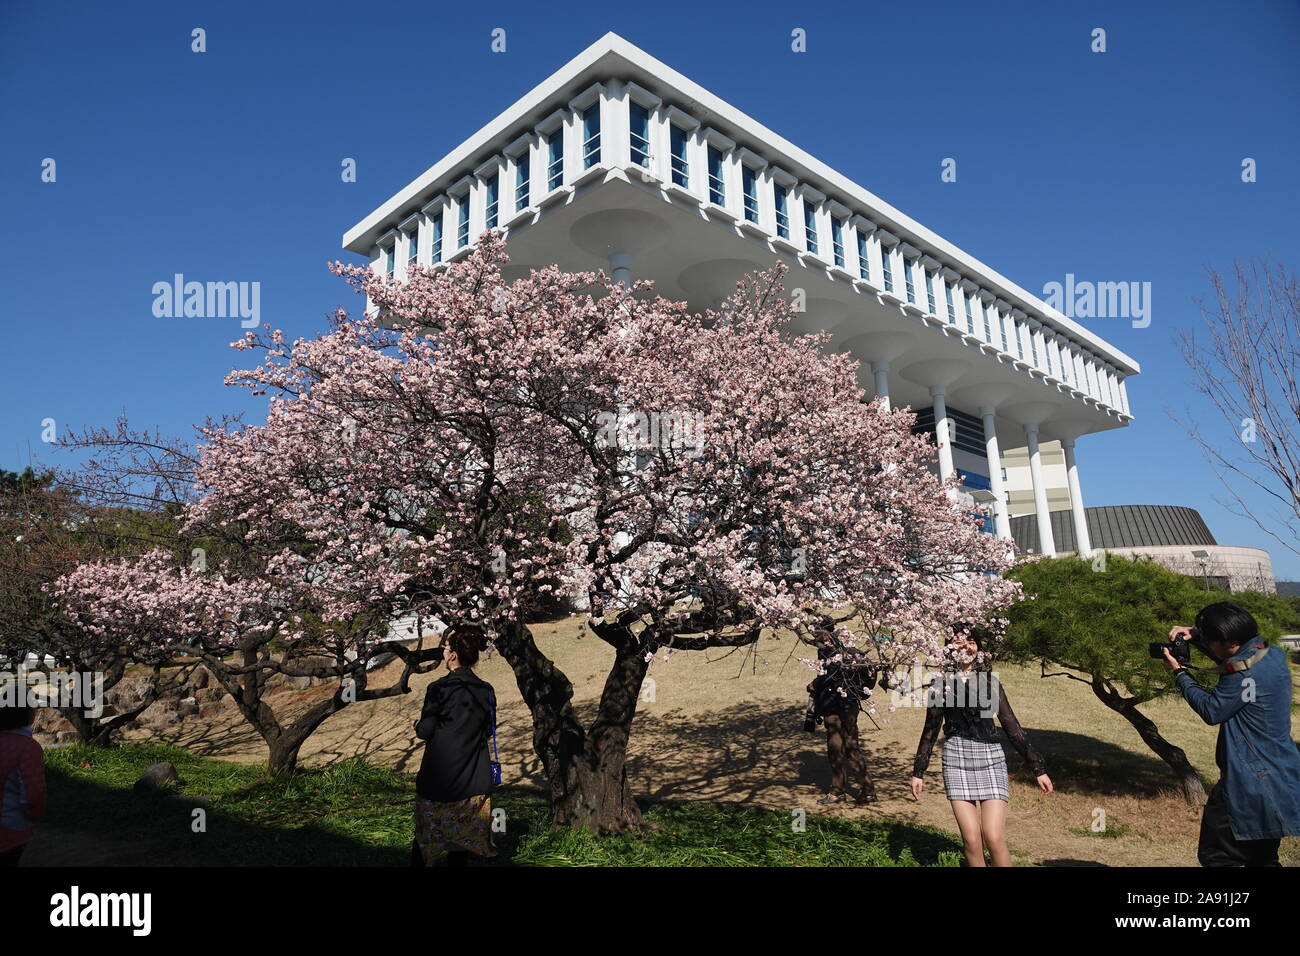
[(1001, 520), (1082, 541), (881, 371), (1046, 544), (620, 267), (941, 433)]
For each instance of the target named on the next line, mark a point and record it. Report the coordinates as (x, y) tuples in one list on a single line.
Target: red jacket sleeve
[(32, 766)]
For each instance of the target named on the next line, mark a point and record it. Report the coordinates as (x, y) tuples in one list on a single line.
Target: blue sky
[(1122, 166)]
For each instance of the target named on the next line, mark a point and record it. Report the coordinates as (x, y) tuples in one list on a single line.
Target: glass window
[(677, 146), (389, 255), (837, 242), (810, 226), (412, 245), (929, 293), (909, 281), (947, 299), (864, 266), (591, 135), (639, 123), (886, 267), (462, 221), (435, 254), (973, 316), (717, 188), (749, 182), (523, 180), (493, 204), (1020, 345), (555, 160), (781, 198)]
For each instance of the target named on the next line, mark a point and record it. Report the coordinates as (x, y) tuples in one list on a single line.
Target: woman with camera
[(453, 812), (962, 700)]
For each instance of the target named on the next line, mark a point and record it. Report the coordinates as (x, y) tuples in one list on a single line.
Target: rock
[(188, 708), (297, 683), (211, 709), (200, 679), (50, 721), (65, 737), (156, 778)]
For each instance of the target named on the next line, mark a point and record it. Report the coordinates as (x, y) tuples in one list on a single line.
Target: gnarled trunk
[(1126, 707), (586, 769)]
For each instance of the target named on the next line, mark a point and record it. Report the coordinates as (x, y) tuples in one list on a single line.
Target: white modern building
[(618, 162)]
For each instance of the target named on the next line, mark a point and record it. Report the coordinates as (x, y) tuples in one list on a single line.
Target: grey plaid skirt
[(974, 770)]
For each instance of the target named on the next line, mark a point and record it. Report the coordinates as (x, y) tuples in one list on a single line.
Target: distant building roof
[(1119, 526)]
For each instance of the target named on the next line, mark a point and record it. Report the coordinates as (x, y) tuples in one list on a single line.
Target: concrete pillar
[(1001, 519), (1046, 544), (942, 435), (881, 371), (1083, 542), (620, 267)]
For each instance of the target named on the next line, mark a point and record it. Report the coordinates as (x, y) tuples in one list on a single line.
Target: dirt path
[(729, 728)]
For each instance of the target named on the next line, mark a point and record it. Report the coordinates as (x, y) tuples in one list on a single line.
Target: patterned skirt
[(974, 770), (458, 825)]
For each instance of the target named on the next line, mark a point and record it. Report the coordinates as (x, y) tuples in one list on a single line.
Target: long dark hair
[(983, 644)]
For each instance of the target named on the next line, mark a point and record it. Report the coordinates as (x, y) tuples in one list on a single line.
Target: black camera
[(810, 718), (1180, 649)]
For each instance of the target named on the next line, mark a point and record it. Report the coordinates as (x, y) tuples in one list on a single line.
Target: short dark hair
[(13, 718), (468, 642), (1226, 622)]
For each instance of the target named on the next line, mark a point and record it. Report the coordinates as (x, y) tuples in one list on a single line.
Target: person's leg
[(1217, 846), (993, 829), (1261, 852), (857, 758), (835, 753), (968, 822)]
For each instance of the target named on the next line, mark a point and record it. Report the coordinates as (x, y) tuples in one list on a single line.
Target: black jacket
[(456, 722)]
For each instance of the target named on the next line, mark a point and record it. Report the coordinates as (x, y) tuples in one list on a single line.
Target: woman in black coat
[(453, 812)]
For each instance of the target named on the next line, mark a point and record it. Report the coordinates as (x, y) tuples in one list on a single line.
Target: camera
[(810, 718), (1180, 650)]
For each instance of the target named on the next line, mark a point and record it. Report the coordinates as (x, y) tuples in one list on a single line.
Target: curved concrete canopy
[(1031, 413), (936, 373), (714, 279), (984, 395), (879, 346), (609, 231)]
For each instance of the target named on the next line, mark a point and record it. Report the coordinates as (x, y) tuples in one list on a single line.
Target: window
[(810, 226), (1002, 331), (639, 124), (493, 204), (952, 312), (837, 242), (591, 135), (1033, 346), (389, 255), (1020, 345), (749, 183), (555, 160), (462, 222), (677, 146), (717, 189), (864, 266), (780, 196), (973, 316), (435, 254), (523, 180), (886, 268), (929, 292), (412, 246), (909, 282)]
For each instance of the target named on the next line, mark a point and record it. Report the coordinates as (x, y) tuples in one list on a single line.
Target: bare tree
[(1247, 365)]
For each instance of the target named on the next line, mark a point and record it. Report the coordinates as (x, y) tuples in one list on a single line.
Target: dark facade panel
[(1119, 526)]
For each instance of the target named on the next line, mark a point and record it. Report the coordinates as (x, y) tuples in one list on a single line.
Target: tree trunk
[(1188, 779), (586, 772)]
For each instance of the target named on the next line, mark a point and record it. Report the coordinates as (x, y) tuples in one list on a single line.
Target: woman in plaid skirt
[(963, 699)]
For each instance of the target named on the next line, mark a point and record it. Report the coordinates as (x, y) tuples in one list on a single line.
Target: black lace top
[(964, 709)]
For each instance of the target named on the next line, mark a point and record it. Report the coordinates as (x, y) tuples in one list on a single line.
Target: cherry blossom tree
[(690, 481)]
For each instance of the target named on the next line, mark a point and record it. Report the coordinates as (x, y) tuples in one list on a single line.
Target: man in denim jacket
[(1257, 799)]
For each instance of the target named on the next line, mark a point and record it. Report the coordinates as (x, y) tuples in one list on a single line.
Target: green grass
[(355, 814)]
